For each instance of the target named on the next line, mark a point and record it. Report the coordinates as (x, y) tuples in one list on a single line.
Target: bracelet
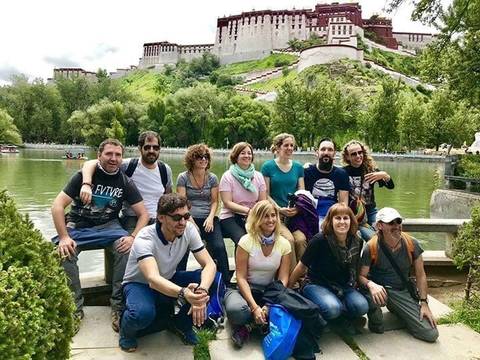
[(87, 183)]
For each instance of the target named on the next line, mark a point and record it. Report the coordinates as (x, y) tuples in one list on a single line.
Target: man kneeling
[(156, 295), (385, 266)]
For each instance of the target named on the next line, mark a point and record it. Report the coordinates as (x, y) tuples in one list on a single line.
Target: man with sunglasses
[(152, 177), (96, 224), (384, 274), (158, 296)]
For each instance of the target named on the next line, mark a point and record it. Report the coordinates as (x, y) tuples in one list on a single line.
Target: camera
[(292, 200)]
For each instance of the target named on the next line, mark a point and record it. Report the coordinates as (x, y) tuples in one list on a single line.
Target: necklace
[(197, 183), (395, 245)]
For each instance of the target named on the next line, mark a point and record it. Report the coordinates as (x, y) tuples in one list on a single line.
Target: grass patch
[(401, 63), (353, 345), (465, 313), (201, 350), (141, 83), (270, 62), (273, 84)]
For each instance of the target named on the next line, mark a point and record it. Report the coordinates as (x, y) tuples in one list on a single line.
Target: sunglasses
[(202, 157), (178, 217), (397, 221), (148, 147), (356, 153)]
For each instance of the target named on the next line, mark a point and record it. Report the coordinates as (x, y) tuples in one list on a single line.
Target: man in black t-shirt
[(96, 224)]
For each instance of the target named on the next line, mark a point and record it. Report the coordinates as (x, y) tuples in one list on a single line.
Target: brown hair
[(148, 135), (279, 139), (168, 203), (193, 152), (255, 218), (368, 164), (237, 149), (339, 209), (109, 141)]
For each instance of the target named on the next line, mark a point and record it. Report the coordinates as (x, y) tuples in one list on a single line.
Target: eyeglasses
[(148, 147), (202, 157), (178, 217), (397, 221), (356, 153)]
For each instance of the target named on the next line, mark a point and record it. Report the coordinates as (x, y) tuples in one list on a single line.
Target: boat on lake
[(8, 149), (75, 154)]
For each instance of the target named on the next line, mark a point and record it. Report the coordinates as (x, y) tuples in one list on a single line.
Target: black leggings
[(233, 228)]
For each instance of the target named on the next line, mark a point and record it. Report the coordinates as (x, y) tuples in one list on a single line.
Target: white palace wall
[(324, 54)]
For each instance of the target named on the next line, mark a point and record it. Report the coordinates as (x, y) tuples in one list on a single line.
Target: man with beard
[(384, 274), (328, 183), (96, 224), (152, 177), (157, 295)]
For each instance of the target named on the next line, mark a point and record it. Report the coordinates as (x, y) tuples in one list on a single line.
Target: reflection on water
[(34, 178)]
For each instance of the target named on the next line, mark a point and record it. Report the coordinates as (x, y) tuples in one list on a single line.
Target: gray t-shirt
[(382, 271), (149, 184), (150, 242), (199, 198)]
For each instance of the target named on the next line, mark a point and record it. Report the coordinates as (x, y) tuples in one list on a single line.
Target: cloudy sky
[(37, 36)]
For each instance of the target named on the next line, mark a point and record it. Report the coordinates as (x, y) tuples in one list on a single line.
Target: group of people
[(314, 228)]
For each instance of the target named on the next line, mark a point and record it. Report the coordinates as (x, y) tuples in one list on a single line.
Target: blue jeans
[(353, 304), (371, 214), (366, 231), (148, 311)]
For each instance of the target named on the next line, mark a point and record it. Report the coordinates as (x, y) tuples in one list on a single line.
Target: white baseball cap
[(388, 214)]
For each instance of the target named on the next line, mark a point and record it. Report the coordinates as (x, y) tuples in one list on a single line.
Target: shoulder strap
[(132, 165), (410, 246), (163, 173), (394, 264), (373, 247)]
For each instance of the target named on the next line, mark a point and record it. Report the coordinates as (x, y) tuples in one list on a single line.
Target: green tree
[(8, 131), (411, 123), (155, 115), (436, 117), (380, 120)]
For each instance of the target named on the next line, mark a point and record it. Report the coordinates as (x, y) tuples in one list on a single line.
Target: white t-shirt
[(149, 184), (262, 269), (167, 254)]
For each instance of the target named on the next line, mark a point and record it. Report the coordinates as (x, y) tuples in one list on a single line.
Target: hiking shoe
[(240, 335), (376, 328), (116, 320), (189, 337), (375, 321), (127, 345)]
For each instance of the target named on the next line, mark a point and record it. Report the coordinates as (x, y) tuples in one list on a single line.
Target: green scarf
[(244, 177)]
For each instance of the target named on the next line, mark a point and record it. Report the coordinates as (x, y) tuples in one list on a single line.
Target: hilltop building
[(253, 35), (71, 73)]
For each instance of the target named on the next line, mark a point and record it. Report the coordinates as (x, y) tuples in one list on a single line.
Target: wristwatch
[(424, 300)]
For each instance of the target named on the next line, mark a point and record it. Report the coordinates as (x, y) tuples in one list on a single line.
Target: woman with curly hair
[(200, 187), (363, 174)]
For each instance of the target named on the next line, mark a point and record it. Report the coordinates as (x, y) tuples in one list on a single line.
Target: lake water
[(34, 177)]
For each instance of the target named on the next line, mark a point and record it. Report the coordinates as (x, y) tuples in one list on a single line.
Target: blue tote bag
[(284, 328)]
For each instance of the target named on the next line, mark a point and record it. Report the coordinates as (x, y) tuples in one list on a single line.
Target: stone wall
[(413, 40), (451, 204), (324, 54)]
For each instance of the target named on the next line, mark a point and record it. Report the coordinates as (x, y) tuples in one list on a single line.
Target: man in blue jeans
[(96, 224), (158, 296)]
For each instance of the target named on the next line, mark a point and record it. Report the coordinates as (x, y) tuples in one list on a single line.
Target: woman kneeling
[(332, 260), (262, 256)]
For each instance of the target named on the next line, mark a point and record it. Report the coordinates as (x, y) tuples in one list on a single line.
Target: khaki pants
[(298, 243)]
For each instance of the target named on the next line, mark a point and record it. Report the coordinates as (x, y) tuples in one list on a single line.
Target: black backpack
[(133, 163)]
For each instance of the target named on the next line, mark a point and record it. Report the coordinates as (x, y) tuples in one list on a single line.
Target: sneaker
[(189, 337), (127, 345), (240, 335), (79, 315), (375, 321), (116, 320)]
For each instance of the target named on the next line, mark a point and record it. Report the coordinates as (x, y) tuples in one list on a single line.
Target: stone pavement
[(96, 340)]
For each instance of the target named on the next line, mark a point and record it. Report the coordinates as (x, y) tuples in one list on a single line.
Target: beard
[(149, 158), (325, 163)]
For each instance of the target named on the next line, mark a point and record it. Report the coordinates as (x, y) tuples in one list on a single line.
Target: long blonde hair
[(255, 218), (368, 164)]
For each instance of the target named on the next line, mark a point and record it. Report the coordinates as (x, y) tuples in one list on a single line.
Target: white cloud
[(39, 35)]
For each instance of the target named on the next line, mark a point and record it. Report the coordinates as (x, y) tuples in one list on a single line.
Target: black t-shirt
[(108, 194), (365, 189), (322, 266)]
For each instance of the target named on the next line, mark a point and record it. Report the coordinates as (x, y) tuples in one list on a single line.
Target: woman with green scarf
[(241, 187)]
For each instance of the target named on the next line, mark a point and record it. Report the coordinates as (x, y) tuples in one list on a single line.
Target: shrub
[(36, 305), (469, 166)]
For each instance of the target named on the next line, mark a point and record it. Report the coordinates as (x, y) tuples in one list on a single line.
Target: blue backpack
[(215, 310)]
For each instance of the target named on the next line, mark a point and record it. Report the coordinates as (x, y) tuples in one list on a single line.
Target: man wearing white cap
[(385, 268)]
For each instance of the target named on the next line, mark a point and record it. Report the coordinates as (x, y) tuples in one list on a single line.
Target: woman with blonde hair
[(241, 187), (262, 256), (331, 262), (363, 174), (283, 177), (200, 187)]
